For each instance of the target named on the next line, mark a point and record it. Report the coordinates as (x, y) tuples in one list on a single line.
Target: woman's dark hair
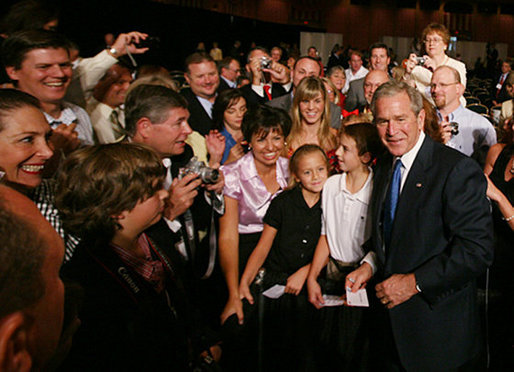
[(263, 119), (224, 100), (507, 132), (431, 125), (28, 15), (366, 138), (13, 99)]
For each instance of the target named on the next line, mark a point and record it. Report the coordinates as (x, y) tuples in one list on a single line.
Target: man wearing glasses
[(462, 129), (230, 70)]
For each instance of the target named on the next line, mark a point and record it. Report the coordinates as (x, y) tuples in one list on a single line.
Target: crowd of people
[(262, 214)]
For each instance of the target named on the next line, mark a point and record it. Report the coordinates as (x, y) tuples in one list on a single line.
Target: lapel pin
[(419, 185)]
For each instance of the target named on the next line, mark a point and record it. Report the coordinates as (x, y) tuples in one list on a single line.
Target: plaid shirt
[(149, 269), (74, 114), (43, 197)]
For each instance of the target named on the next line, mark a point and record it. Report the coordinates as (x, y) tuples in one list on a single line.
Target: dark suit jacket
[(126, 325), (201, 212), (355, 97), (503, 95), (442, 233), (199, 119), (285, 102), (334, 60), (252, 98), (223, 85)]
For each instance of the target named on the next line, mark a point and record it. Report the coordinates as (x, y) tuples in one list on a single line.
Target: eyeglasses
[(433, 41), (442, 85)]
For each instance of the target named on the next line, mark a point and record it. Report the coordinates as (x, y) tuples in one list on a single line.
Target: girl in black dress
[(292, 228)]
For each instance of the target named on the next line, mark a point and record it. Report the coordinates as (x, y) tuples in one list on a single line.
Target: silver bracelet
[(507, 219)]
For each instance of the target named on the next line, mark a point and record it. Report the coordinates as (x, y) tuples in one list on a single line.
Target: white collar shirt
[(231, 84), (408, 159), (206, 104), (346, 220), (350, 76)]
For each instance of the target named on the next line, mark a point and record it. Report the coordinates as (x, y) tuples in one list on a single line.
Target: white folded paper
[(274, 292), (359, 298), (331, 300)]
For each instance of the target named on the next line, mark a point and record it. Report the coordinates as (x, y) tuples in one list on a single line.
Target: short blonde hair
[(436, 28), (333, 87)]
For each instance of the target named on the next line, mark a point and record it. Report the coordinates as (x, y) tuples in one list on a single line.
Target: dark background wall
[(181, 24), (179, 28)]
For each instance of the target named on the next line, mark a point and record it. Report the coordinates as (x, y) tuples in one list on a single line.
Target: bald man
[(472, 132), (31, 292), (372, 81), (379, 60)]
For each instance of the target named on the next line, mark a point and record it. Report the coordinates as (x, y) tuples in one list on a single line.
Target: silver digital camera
[(207, 175), (265, 62)]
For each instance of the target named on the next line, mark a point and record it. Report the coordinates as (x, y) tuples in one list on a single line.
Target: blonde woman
[(333, 95), (337, 76), (310, 115)]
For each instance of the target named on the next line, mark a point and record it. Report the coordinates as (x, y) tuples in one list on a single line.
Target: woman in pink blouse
[(250, 184)]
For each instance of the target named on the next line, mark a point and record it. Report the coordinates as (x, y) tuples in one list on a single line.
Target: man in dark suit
[(268, 79), (336, 57), (499, 91), (432, 234), (303, 67), (229, 70), (203, 79), (158, 117), (379, 60)]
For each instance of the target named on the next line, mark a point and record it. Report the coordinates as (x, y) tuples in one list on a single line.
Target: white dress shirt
[(346, 220), (475, 131), (350, 76), (408, 159), (74, 114), (104, 128), (231, 84)]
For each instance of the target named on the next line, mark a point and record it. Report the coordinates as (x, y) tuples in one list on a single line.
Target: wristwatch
[(113, 52)]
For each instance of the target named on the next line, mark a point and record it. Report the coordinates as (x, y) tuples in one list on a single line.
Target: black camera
[(455, 128), (207, 175), (151, 42)]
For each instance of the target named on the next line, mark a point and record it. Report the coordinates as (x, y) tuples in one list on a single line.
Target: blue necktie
[(391, 202)]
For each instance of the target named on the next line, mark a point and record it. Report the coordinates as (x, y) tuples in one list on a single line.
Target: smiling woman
[(24, 134), (24, 153), (436, 39), (250, 184), (311, 119)]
